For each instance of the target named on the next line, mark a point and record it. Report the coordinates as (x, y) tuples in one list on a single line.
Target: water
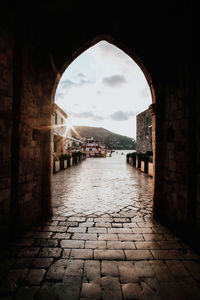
[(99, 186), (124, 152)]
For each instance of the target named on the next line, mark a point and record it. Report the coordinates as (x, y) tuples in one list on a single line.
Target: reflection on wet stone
[(102, 186)]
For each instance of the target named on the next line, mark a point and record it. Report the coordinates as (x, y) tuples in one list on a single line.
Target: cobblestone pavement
[(100, 244), (103, 186)]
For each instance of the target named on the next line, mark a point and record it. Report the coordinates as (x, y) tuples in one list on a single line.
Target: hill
[(110, 139)]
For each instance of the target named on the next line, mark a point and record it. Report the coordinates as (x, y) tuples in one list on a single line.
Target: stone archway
[(35, 41), (110, 39)]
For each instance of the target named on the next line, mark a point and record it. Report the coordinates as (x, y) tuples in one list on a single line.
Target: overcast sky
[(104, 87)]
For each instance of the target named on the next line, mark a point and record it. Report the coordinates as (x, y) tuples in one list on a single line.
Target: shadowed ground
[(101, 243)]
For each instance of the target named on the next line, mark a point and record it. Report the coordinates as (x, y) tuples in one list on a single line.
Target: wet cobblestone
[(100, 244), (103, 186)]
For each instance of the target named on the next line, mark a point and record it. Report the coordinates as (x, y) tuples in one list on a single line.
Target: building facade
[(144, 132), (59, 130)]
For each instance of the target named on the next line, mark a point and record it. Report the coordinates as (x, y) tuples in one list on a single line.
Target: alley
[(101, 243)]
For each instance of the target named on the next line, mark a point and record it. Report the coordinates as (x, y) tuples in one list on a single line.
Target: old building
[(38, 41), (59, 130), (144, 132)]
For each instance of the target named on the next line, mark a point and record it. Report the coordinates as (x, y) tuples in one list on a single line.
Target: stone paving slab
[(109, 268), (106, 265), (120, 245), (109, 252), (35, 276), (138, 254), (72, 244), (82, 253), (95, 245)]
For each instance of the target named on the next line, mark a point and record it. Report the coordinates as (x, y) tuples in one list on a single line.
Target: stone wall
[(197, 149), (144, 132), (6, 99), (30, 173), (25, 137), (42, 52), (175, 159), (35, 139)]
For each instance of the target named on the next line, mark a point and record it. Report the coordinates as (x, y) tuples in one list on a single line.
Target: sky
[(104, 87)]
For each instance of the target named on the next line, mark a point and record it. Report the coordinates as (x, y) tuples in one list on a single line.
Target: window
[(56, 118), (55, 147)]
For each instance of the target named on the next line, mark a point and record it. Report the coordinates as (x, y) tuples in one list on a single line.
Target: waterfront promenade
[(101, 186), (101, 243)]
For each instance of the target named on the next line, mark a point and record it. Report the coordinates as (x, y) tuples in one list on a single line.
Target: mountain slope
[(110, 139)]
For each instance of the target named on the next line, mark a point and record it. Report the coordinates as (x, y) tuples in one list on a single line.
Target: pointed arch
[(110, 39)]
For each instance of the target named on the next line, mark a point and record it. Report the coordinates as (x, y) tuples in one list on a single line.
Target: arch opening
[(112, 42)]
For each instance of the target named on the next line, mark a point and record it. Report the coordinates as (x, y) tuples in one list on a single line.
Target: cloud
[(122, 115), (98, 118), (87, 115), (67, 84), (83, 81), (114, 80), (80, 75)]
